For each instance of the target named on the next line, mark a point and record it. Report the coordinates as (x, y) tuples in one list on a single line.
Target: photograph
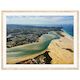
[(39, 39)]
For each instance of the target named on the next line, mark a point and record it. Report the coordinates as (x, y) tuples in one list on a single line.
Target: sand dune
[(61, 50)]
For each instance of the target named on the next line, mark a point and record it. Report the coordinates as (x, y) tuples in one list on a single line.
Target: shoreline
[(61, 50), (59, 45), (68, 35)]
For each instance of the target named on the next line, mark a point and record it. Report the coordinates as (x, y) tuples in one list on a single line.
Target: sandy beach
[(61, 50)]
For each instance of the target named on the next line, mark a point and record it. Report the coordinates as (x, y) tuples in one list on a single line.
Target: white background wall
[(38, 5)]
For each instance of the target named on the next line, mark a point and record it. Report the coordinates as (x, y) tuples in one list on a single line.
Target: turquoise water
[(33, 48)]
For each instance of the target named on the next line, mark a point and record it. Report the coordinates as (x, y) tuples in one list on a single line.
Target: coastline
[(60, 50), (69, 36)]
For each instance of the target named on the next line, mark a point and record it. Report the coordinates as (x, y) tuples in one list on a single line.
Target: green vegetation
[(19, 35)]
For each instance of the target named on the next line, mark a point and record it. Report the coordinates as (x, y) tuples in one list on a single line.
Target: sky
[(39, 20)]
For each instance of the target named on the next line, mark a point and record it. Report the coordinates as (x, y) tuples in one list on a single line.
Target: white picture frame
[(5, 66)]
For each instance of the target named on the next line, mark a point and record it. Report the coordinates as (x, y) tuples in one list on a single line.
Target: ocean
[(69, 29)]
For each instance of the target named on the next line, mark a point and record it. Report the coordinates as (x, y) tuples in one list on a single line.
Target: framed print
[(39, 40)]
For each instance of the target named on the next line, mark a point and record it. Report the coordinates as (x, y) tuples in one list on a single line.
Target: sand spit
[(59, 44)]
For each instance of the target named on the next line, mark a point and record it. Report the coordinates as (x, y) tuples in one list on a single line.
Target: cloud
[(31, 20)]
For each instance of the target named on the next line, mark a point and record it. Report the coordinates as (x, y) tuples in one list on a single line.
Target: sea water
[(69, 29)]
